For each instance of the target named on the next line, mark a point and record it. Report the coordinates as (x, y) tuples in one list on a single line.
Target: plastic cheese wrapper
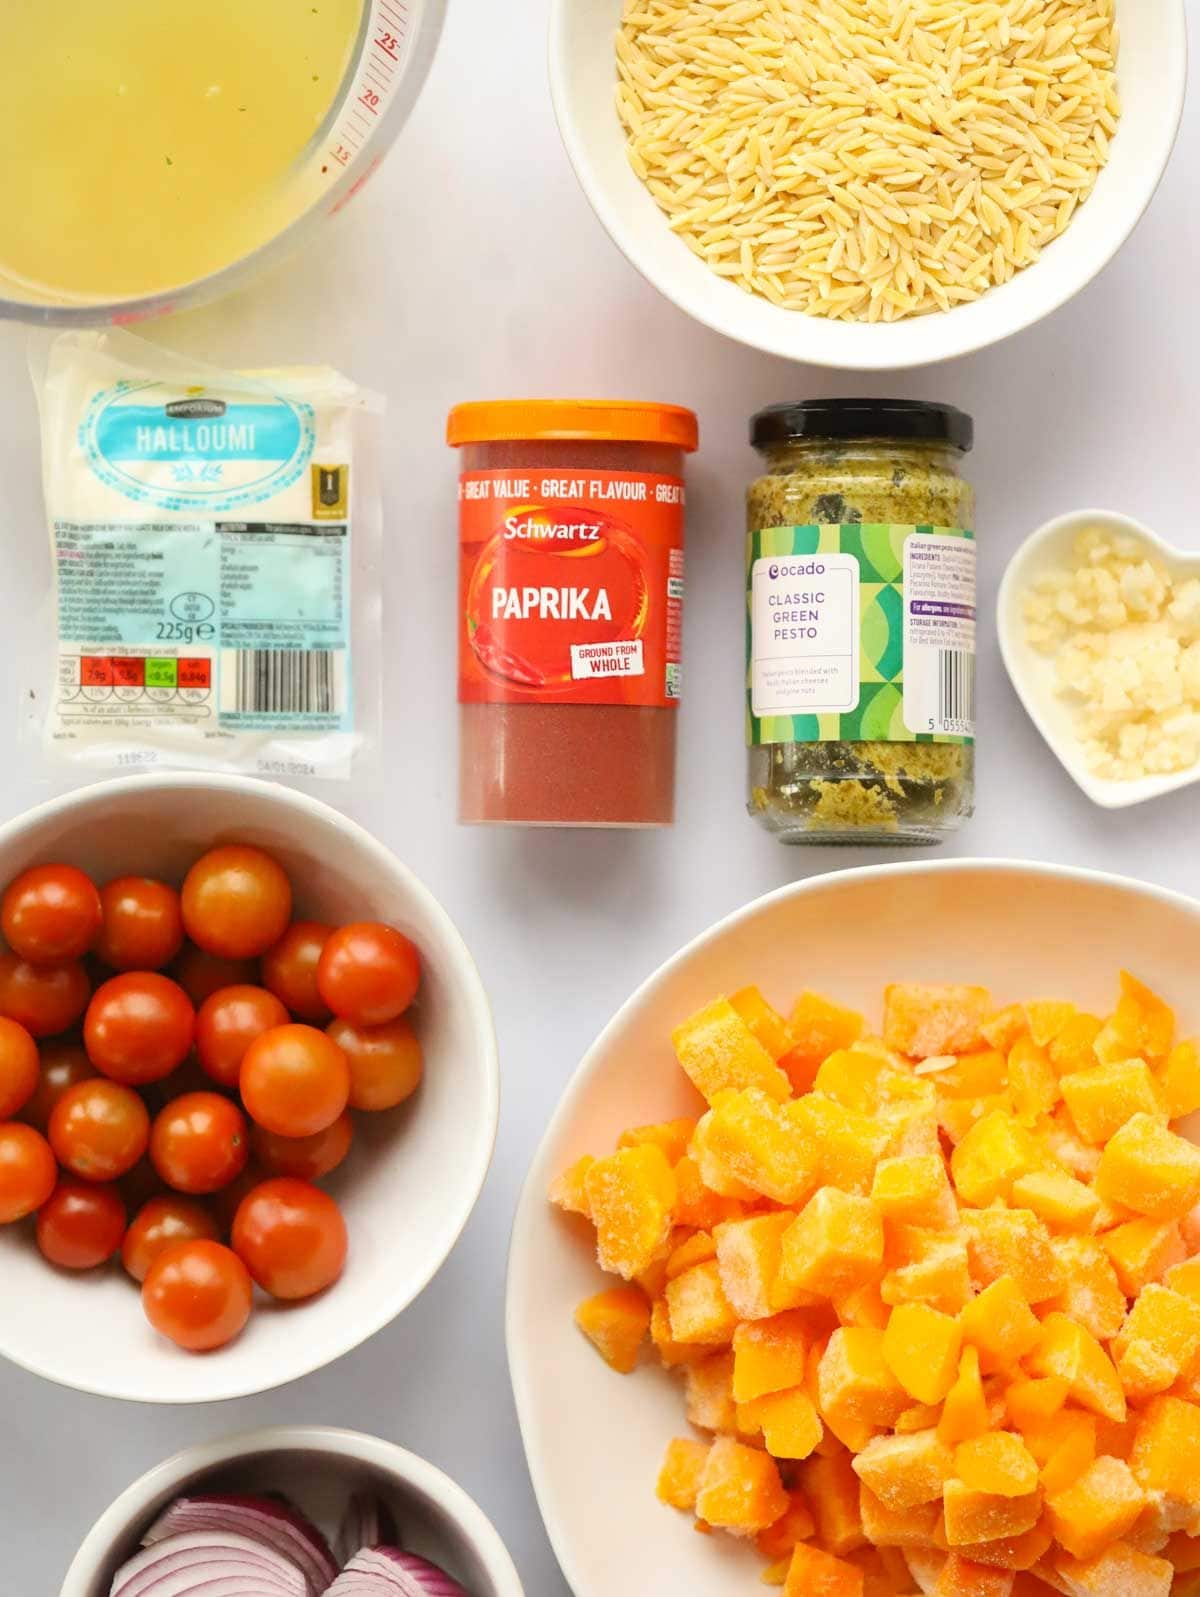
[(215, 543)]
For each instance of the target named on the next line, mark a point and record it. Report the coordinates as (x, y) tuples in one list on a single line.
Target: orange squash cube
[(1047, 1017), (854, 1381), (696, 1205), (1064, 1203), (672, 1354), (1150, 1170), (924, 1020), (965, 1411), (976, 1075), (616, 1323), (681, 1473), (1099, 1508), (1074, 1046), (863, 1306), (708, 1391), (700, 1312), (749, 1256), (1157, 1341), (767, 1024), (1103, 1098), (921, 1417), (1032, 1080), (1033, 1401), (998, 1463), (1091, 1292), (813, 1573), (1069, 1351), (934, 1270), (1002, 1029), (835, 1245), (912, 1130), (1057, 1135), (672, 1136), (849, 1144), (790, 1425), (568, 1191), (1142, 1251), (1119, 1571), (715, 1175), (1166, 1449), (818, 1028), (831, 1487), (1012, 1242), (859, 1080), (1015, 1553), (1142, 1026), (770, 1355), (960, 1577), (921, 1347), (740, 1490), (1065, 1447), (696, 1247), (1179, 1080), (754, 1139), (1000, 1323), (973, 1516), (905, 1471), (630, 1196), (796, 1525), (897, 1527), (993, 1153), (1185, 1277), (719, 1052)]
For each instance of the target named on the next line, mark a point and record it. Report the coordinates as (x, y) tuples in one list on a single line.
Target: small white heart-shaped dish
[(1032, 673)]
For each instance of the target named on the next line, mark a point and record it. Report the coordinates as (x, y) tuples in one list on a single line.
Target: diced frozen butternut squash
[(916, 1526), (709, 1394), (1091, 1292), (1179, 1080), (1157, 1341), (715, 1175), (1142, 1025), (813, 1573), (1097, 1509), (850, 1144), (1034, 1401), (905, 1471), (672, 1136), (695, 1204), (672, 1354), (740, 1489), (973, 1516), (718, 1051), (831, 1486), (912, 1130), (770, 1355), (920, 1417), (788, 1421), (921, 1347), (990, 1157), (1166, 1449), (682, 1469), (1142, 1251), (753, 1138), (999, 1463), (1032, 1080), (862, 1306), (965, 1411), (1056, 1133), (630, 1196), (700, 1311), (1002, 1029), (749, 1255), (1064, 1203), (1072, 1048), (1065, 1447), (1047, 1017), (1015, 1553), (960, 1577), (835, 1245), (767, 1024), (616, 1323), (1150, 1170), (857, 1080), (1012, 1242), (1185, 1277), (854, 1381), (934, 1270), (1000, 1323), (1103, 1098), (1069, 1351), (796, 1525), (697, 1247), (976, 1075), (568, 1191), (923, 1020), (1116, 1437), (818, 1028), (1119, 1571)]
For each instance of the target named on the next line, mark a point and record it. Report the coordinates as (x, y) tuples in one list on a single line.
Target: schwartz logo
[(196, 409)]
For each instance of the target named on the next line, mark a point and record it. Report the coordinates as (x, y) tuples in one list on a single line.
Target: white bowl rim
[(337, 1443), (1104, 791), (948, 346), (532, 1193), (473, 993)]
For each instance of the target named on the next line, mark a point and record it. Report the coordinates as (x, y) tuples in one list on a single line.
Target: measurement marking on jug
[(389, 44)]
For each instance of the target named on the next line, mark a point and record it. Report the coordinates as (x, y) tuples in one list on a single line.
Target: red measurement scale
[(391, 24)]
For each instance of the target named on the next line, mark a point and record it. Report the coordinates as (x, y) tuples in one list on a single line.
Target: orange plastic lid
[(616, 421)]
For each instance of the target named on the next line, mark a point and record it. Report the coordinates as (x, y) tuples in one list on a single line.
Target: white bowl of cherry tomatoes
[(248, 1087)]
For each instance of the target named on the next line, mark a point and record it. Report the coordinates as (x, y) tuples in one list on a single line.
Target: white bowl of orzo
[(869, 184)]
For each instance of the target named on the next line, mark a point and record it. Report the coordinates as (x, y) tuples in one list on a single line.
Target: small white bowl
[(594, 1439), (412, 1179), (1152, 76), (318, 1469), (1032, 672)]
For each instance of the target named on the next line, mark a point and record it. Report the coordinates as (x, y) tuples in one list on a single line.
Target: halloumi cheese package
[(215, 543)]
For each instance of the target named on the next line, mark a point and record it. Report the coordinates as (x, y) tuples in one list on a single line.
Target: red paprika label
[(570, 587)]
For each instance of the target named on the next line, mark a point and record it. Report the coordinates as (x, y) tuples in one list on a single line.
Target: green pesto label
[(860, 632)]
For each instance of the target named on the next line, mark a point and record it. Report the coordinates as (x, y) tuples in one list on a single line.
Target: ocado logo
[(796, 568)]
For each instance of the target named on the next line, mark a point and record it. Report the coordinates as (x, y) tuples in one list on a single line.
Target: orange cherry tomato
[(27, 1171), (19, 1067), (99, 1129), (50, 913), (368, 973), (45, 999), (139, 1027), (295, 1081), (199, 1143), (237, 901), (63, 1064), (200, 974), (385, 1061), (142, 926), (157, 1225), (198, 1294), (81, 1225), (306, 1158), (289, 969), (227, 1022), (291, 1237)]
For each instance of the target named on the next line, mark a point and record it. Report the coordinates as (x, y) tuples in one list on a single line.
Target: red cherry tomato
[(289, 969), (199, 1143), (19, 1068), (306, 1158), (63, 1065), (27, 1171), (157, 1225), (236, 902), (295, 1081), (385, 1061), (99, 1129), (368, 973), (200, 974), (199, 1294), (227, 1023), (50, 913), (142, 928), (45, 999), (291, 1237), (81, 1225), (139, 1027)]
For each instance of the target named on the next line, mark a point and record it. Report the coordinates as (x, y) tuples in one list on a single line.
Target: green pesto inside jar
[(861, 792)]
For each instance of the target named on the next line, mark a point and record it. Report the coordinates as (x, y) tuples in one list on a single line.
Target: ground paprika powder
[(571, 518)]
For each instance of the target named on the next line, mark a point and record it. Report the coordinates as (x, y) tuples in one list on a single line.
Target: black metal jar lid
[(907, 420)]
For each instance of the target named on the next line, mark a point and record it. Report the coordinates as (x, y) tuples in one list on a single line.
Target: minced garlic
[(1125, 636)]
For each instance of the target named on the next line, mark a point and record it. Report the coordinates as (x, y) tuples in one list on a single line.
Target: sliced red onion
[(271, 1521), (391, 1572), (367, 1522), (209, 1564)]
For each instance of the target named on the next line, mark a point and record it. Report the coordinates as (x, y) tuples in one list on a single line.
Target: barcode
[(956, 687), (282, 681)]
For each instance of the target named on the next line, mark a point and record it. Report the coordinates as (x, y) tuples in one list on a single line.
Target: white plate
[(595, 1439)]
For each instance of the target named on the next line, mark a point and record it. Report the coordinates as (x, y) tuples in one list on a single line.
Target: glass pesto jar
[(860, 674)]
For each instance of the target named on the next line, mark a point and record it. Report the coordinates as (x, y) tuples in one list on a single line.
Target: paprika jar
[(570, 602)]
